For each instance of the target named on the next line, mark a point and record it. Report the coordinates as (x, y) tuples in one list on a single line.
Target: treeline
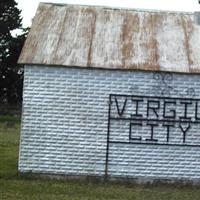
[(11, 74)]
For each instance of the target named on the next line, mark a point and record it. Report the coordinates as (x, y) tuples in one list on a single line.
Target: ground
[(28, 187)]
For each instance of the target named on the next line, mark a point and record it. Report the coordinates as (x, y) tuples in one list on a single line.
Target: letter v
[(120, 111)]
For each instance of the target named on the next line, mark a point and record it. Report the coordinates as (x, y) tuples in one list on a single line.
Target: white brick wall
[(64, 124)]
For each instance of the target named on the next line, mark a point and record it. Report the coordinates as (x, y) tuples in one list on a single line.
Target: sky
[(29, 7)]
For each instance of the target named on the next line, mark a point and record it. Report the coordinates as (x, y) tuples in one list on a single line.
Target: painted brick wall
[(65, 119)]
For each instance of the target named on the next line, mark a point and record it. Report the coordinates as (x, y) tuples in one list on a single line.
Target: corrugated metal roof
[(89, 36)]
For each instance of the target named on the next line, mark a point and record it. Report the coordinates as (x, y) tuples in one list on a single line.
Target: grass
[(23, 187)]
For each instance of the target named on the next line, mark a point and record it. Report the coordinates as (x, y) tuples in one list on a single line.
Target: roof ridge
[(123, 8)]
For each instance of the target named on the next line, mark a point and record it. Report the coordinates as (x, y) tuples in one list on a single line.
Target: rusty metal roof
[(99, 37)]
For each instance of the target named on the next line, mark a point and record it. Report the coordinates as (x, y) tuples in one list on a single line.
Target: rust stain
[(129, 28), (151, 45), (31, 41), (92, 32), (61, 35), (35, 36), (157, 21), (187, 30)]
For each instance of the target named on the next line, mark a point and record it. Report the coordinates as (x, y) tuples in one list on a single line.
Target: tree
[(11, 74)]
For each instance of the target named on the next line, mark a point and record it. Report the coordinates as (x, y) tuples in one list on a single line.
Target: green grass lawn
[(14, 186)]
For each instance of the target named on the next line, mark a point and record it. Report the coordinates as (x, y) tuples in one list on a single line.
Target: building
[(111, 93)]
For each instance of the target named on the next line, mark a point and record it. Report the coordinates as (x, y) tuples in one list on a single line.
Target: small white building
[(111, 92)]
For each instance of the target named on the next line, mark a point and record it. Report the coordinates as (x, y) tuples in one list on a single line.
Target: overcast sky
[(29, 7)]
